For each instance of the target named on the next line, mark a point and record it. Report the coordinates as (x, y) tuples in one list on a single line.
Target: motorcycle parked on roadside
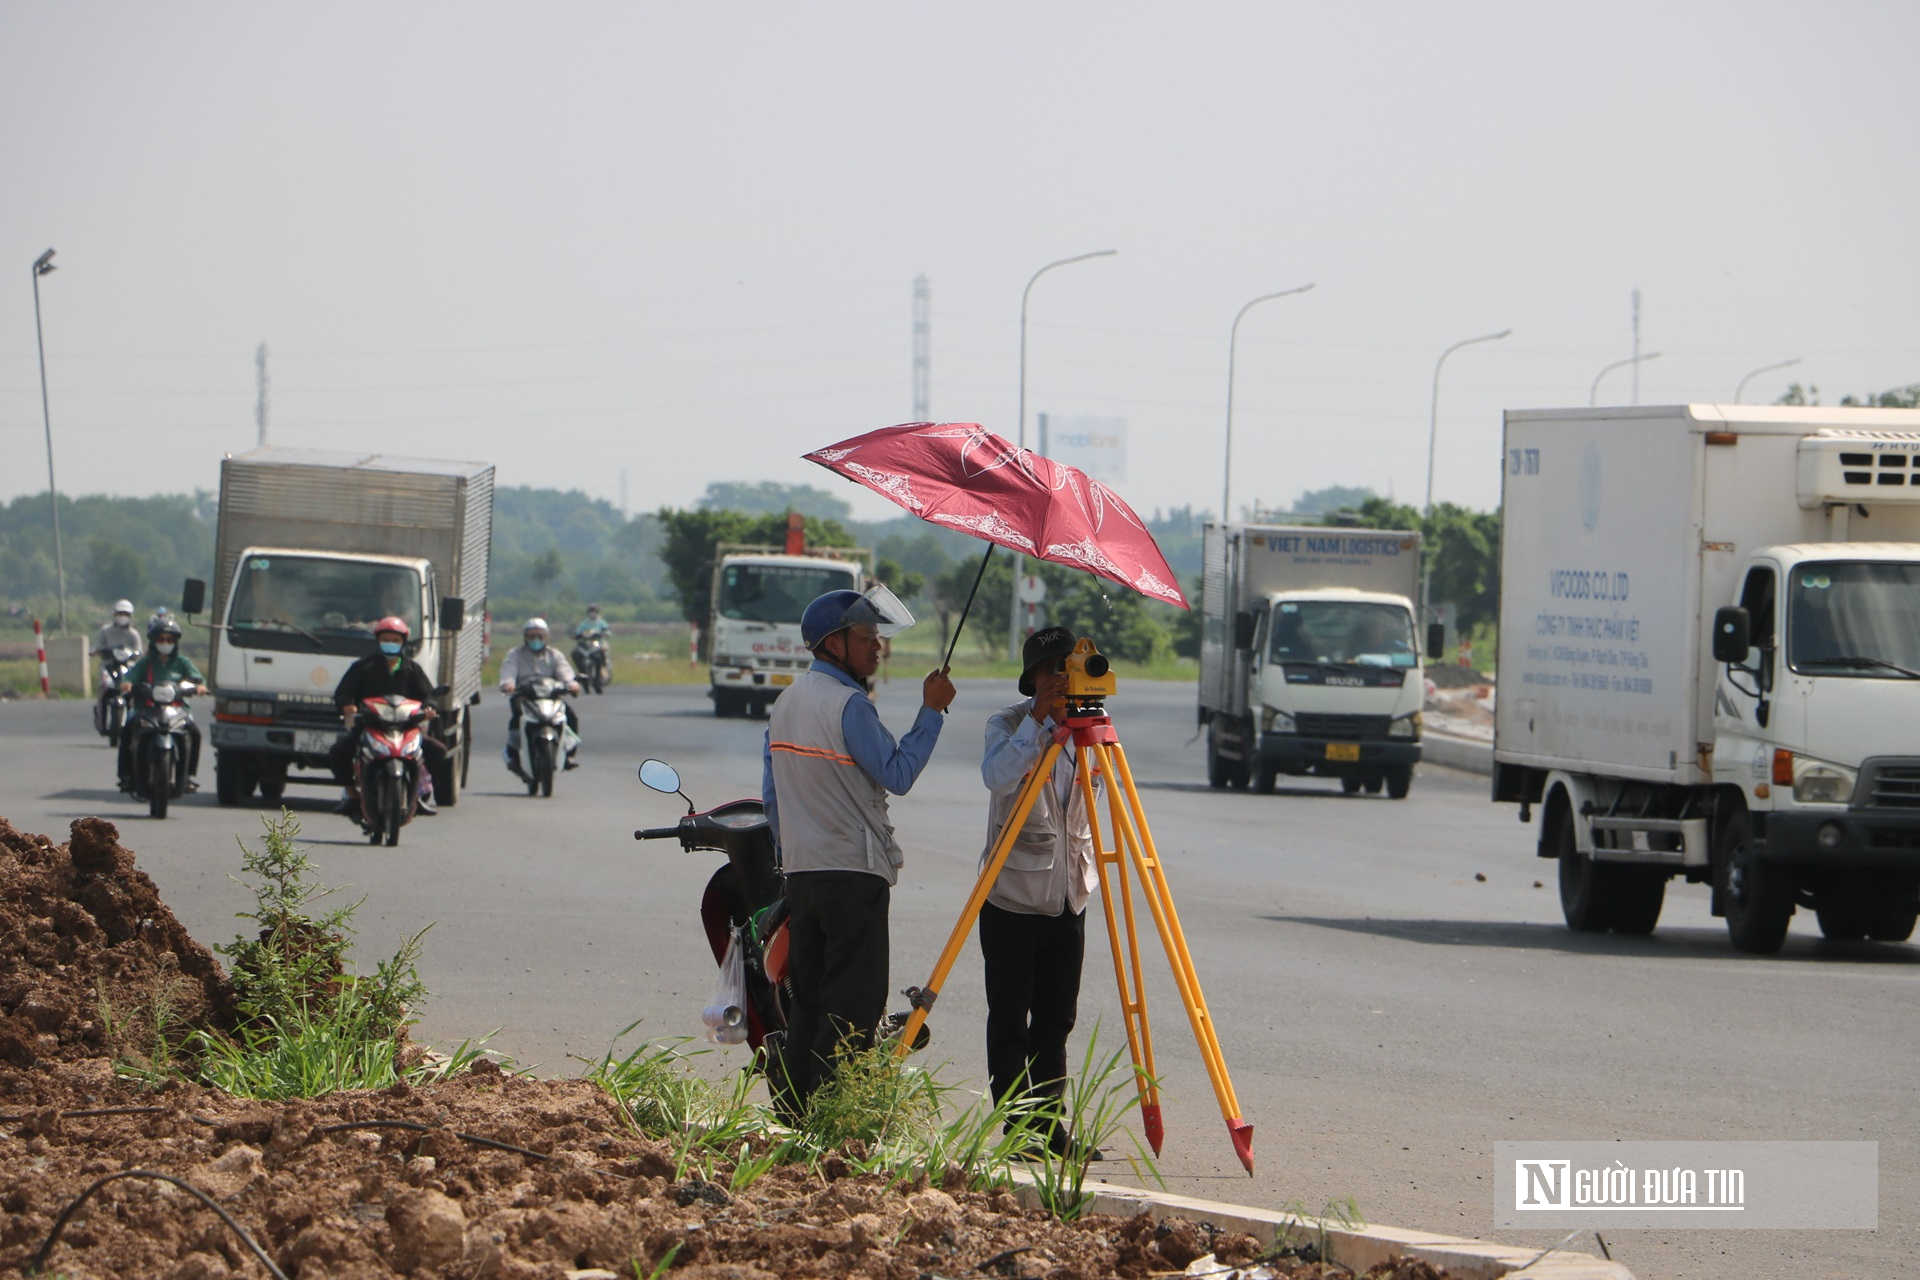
[(162, 743), (746, 898), (545, 740), (593, 661), (387, 764), (110, 708)]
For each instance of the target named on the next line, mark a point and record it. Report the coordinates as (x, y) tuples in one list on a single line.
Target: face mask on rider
[(536, 643), (163, 648), (390, 647), (122, 619)]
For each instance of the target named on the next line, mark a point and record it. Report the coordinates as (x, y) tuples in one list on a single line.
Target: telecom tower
[(922, 348), (260, 404)]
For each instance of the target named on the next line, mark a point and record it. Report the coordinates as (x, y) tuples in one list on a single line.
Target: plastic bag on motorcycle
[(726, 1011)]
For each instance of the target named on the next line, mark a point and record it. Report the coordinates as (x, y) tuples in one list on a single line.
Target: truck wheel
[(466, 747), (1350, 786), (1399, 781), (271, 775), (1640, 893), (1759, 897), (1841, 923), (1372, 784), (1263, 775), (1587, 888), (233, 778), (1891, 924), (446, 781), (1218, 766)]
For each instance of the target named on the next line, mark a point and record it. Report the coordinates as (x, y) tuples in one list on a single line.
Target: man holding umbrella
[(829, 766), (1033, 926)]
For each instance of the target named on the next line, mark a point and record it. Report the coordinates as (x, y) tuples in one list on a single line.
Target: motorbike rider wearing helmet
[(828, 766), (535, 660), (389, 669), (117, 634), (160, 664), (593, 627)]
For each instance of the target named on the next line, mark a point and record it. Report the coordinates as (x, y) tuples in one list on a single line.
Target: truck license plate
[(313, 742), (1343, 751), (782, 679)]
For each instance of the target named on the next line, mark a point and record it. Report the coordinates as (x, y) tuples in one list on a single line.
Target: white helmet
[(123, 606), (535, 624)]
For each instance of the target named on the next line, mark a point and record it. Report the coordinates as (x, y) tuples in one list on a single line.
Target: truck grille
[(1345, 728), (1895, 786), (307, 715)]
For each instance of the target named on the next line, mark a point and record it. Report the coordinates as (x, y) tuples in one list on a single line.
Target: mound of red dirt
[(92, 964)]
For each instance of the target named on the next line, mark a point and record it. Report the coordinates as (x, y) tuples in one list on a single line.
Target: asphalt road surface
[(1386, 1014)]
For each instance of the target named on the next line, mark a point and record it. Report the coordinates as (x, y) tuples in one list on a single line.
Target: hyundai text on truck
[(1309, 658), (755, 599), (1710, 662), (312, 548)]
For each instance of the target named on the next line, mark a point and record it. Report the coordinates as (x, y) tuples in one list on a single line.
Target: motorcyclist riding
[(593, 627), (117, 634), (163, 663), (534, 660), (387, 670)]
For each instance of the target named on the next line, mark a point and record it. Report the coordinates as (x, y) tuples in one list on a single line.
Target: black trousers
[(837, 957), (1033, 996)]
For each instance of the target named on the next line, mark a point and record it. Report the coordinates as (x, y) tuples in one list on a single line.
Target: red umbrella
[(962, 475)]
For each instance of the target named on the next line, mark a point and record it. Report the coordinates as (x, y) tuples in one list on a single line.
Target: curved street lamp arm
[(1594, 394), (1233, 338), (1024, 294), (1740, 390)]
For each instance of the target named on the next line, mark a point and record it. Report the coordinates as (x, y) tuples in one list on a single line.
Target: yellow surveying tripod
[(1090, 682)]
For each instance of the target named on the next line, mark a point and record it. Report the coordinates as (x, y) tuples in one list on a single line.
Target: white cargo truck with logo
[(311, 549), (1309, 658), (1710, 662), (755, 600)]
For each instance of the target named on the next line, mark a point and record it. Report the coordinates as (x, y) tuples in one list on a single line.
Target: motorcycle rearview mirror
[(442, 690), (193, 597), (664, 778)]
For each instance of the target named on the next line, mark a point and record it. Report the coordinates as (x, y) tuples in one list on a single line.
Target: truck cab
[(753, 632), (1336, 686)]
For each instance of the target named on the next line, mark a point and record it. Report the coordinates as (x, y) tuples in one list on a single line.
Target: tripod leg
[(923, 997), (1138, 839), (1133, 993)]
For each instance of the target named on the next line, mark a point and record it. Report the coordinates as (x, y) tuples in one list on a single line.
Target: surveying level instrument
[(1098, 754)]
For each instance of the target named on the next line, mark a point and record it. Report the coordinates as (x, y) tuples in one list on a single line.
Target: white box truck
[(312, 548), (754, 603), (1309, 658), (1710, 662)]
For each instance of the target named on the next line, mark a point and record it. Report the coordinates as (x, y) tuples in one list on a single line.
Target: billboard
[(1098, 446)]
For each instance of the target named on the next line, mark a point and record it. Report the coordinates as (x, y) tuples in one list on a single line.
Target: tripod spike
[(1242, 1134), (1150, 1121)]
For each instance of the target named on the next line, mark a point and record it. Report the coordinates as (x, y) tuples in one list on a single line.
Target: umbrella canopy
[(962, 475)]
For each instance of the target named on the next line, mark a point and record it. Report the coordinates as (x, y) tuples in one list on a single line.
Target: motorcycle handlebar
[(656, 833)]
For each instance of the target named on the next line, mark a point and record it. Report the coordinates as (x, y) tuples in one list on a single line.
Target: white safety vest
[(833, 815)]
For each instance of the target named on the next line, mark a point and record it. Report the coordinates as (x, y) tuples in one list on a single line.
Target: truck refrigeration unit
[(1309, 657), (311, 549), (1710, 662)]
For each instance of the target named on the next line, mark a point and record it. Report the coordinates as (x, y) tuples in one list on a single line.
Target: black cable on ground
[(60, 1223)]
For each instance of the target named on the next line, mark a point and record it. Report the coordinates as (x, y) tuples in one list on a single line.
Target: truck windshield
[(776, 592), (312, 605), (1854, 618), (1343, 631)]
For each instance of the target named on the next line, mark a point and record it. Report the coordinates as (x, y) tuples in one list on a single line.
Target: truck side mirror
[(453, 613), (1732, 634), (1243, 630), (193, 598), (1436, 641)]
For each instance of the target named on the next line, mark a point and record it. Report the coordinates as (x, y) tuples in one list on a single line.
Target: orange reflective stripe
[(812, 753)]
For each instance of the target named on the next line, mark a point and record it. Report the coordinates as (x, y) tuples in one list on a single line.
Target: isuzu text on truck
[(1309, 662), (755, 600), (311, 549), (1710, 662)]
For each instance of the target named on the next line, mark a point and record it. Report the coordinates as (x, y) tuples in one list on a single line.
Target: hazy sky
[(680, 240)]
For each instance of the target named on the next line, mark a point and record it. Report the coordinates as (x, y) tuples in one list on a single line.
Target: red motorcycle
[(387, 766)]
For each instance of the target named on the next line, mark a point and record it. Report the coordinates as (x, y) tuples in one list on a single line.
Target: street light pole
[(1740, 390), (1233, 339), (1013, 604), (41, 266), (1433, 436), (1593, 395)]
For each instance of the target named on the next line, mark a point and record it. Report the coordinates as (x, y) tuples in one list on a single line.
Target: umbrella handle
[(948, 663)]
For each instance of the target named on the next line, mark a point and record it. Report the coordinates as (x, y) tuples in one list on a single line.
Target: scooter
[(110, 708), (594, 662), (387, 764), (746, 895), (162, 745), (545, 739)]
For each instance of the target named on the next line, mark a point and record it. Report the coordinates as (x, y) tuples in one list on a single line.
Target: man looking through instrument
[(1033, 925), (829, 765)]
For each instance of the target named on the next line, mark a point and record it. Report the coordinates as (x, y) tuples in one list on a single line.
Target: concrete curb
[(1465, 754), (1358, 1247)]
